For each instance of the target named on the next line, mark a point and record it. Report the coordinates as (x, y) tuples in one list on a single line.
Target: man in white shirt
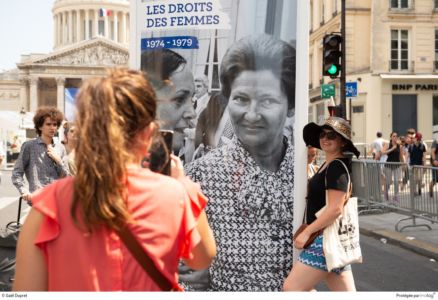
[(377, 147), (201, 96)]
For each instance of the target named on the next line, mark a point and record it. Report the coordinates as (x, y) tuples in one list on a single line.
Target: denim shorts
[(313, 256)]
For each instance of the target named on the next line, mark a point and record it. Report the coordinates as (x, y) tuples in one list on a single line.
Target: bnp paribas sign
[(417, 87)]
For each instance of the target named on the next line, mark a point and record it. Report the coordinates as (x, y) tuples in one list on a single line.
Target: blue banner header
[(170, 42)]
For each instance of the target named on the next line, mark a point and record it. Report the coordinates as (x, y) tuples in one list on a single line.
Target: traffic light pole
[(343, 64)]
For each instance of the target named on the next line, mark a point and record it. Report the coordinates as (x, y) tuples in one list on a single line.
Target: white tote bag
[(341, 239)]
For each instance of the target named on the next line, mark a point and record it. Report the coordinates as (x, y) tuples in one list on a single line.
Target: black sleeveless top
[(394, 156)]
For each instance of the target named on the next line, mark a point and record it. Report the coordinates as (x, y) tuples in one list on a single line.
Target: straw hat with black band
[(312, 130)]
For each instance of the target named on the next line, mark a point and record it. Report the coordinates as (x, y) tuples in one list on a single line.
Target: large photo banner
[(226, 78)]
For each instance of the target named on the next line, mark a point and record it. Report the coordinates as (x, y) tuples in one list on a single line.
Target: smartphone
[(160, 152)]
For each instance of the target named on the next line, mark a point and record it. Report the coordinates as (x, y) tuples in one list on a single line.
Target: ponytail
[(111, 111)]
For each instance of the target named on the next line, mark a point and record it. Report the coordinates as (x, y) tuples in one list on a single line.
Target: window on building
[(436, 49), (311, 118), (311, 72), (111, 30), (358, 109), (101, 28), (435, 110), (321, 13), (311, 15), (90, 28), (400, 4), (273, 17), (399, 50), (320, 113), (335, 7), (436, 4), (214, 44)]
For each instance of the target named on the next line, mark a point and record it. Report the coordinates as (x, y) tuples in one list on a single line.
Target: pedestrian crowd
[(398, 154)]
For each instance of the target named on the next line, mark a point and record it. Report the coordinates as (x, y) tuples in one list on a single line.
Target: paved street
[(7, 189), (8, 200), (390, 268)]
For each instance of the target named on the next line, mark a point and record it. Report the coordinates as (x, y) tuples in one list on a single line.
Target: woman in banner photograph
[(73, 238), (333, 138), (249, 182), (174, 85)]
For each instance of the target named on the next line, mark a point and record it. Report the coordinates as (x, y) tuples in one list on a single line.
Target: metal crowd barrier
[(408, 190)]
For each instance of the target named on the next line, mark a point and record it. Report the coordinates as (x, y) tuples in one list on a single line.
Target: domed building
[(89, 36)]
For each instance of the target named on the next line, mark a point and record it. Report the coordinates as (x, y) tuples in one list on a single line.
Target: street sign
[(327, 91), (351, 89)]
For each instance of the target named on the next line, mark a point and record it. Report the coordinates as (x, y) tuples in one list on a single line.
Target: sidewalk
[(418, 239)]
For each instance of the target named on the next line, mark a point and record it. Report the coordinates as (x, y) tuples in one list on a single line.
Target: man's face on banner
[(175, 109), (258, 109), (200, 87)]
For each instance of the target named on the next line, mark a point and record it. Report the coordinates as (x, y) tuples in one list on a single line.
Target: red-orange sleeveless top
[(166, 213)]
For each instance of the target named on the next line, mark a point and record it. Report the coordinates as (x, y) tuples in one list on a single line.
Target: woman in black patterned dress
[(250, 180)]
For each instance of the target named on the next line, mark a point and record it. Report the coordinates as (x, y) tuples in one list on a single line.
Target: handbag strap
[(350, 185), (144, 260)]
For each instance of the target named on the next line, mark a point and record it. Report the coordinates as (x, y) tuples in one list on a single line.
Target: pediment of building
[(97, 52)]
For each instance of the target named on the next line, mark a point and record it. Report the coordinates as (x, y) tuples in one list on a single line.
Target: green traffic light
[(332, 70)]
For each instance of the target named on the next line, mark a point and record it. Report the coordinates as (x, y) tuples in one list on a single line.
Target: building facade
[(392, 54), (89, 36)]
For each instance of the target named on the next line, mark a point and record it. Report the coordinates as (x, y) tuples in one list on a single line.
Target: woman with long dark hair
[(394, 153)]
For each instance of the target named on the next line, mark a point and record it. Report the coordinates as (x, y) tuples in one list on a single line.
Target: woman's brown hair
[(111, 111)]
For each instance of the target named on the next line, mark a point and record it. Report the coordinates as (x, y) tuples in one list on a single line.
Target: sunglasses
[(331, 135)]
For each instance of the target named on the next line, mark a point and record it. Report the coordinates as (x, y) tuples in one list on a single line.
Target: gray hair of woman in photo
[(262, 52)]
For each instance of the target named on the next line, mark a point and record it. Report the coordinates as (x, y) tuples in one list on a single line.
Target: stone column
[(78, 25), (60, 83), (96, 23), (87, 25), (70, 27), (54, 31), (116, 28), (55, 26), (58, 30), (64, 28), (123, 40), (23, 93), (33, 105)]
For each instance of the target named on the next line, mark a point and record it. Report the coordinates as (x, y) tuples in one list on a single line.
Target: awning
[(408, 76), (13, 120)]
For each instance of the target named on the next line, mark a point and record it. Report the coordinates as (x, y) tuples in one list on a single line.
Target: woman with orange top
[(69, 241)]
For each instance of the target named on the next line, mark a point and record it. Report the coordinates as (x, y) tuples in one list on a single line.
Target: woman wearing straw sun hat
[(334, 138)]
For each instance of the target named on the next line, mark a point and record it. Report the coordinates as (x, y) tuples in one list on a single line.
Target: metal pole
[(343, 77)]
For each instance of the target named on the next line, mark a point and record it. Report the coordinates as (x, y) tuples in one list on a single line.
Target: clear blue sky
[(26, 26)]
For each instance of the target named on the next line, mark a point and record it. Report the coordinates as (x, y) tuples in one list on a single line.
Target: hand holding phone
[(176, 167), (161, 149)]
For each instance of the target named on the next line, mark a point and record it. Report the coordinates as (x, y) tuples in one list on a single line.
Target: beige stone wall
[(421, 23), (10, 95), (369, 24)]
